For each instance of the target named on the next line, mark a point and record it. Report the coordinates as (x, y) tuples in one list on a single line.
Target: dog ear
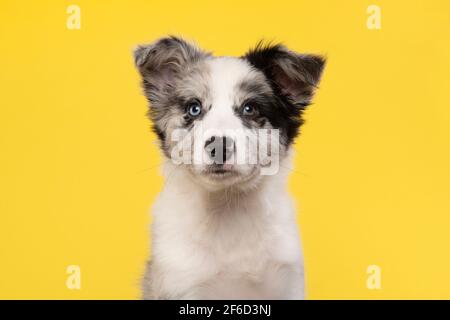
[(161, 62), (294, 75)]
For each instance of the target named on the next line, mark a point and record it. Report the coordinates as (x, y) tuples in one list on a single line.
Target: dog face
[(226, 119)]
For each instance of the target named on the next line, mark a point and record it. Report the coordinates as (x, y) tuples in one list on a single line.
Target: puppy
[(224, 226)]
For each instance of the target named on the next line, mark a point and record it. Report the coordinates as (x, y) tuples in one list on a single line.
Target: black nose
[(219, 149)]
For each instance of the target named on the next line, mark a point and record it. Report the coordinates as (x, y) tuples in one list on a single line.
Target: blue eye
[(194, 109), (248, 110)]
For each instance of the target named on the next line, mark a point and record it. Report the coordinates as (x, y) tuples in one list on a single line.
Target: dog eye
[(194, 109), (248, 110)]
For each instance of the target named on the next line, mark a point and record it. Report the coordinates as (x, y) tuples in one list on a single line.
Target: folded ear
[(162, 61), (295, 75)]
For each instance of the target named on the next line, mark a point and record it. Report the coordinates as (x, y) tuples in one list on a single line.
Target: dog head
[(226, 120)]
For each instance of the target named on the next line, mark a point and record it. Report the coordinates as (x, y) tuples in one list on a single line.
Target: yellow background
[(79, 167)]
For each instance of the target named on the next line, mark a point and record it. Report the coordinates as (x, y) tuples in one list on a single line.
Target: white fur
[(245, 248)]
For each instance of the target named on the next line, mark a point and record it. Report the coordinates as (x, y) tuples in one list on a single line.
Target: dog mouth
[(219, 175), (220, 170)]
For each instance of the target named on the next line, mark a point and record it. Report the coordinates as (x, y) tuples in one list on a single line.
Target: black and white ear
[(295, 75), (161, 62)]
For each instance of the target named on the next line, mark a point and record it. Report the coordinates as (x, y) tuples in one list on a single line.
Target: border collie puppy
[(224, 225)]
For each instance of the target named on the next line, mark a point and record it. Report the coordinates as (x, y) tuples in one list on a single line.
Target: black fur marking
[(276, 109), (293, 78)]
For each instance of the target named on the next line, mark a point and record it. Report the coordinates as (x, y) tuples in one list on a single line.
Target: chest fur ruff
[(224, 245)]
